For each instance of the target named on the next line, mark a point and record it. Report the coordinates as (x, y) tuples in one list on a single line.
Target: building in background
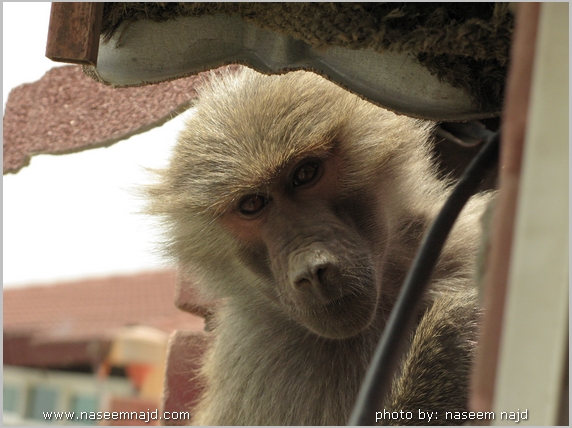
[(92, 345)]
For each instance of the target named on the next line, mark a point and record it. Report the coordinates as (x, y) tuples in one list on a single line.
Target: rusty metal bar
[(73, 34)]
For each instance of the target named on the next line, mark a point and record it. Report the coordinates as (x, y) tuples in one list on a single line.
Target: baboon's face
[(313, 246), (303, 177)]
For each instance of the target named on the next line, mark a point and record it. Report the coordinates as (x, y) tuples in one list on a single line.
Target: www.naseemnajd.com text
[(428, 416), (98, 416)]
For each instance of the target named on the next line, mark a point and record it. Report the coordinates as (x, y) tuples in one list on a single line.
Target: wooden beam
[(498, 261), (73, 34)]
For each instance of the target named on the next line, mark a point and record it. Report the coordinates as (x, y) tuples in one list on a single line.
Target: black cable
[(377, 383)]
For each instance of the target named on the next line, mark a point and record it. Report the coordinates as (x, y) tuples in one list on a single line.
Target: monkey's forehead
[(247, 128), (248, 115)]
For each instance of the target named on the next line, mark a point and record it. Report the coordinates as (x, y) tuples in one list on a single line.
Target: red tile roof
[(95, 309)]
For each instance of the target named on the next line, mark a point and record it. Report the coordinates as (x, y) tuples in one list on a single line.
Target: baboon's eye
[(252, 204), (306, 173)]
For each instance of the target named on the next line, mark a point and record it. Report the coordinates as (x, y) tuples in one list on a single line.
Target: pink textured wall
[(66, 111)]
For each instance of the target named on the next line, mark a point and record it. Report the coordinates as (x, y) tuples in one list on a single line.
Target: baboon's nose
[(311, 273), (311, 276)]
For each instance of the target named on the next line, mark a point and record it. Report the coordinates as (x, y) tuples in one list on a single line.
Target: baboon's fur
[(287, 354)]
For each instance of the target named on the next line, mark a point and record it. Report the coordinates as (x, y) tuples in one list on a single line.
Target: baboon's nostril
[(320, 273), (303, 283)]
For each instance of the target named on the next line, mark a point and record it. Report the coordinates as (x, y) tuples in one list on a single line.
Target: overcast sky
[(73, 216)]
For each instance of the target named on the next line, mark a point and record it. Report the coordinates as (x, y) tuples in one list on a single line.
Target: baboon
[(300, 206)]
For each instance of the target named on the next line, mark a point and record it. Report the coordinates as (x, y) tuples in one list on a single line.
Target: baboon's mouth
[(341, 303), (341, 308), (335, 306), (341, 318)]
